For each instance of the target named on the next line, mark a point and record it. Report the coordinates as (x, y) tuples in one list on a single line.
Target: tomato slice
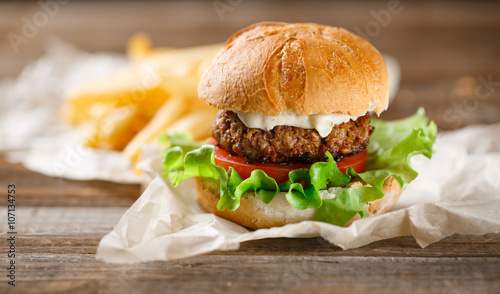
[(278, 171)]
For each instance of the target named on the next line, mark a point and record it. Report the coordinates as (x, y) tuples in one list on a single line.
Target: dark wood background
[(446, 51)]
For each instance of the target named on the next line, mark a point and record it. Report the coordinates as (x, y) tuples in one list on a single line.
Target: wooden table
[(446, 50)]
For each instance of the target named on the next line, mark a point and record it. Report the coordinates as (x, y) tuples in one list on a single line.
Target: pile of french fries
[(156, 93)]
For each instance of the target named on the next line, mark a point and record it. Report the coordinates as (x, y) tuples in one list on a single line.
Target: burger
[(294, 139)]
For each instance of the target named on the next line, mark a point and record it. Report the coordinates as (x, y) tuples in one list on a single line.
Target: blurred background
[(449, 51)]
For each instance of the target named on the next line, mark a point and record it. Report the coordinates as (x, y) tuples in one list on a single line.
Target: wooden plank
[(61, 222), (249, 273), (35, 224), (456, 246), (64, 220), (34, 189)]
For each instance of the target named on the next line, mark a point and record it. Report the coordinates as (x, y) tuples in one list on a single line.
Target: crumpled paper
[(458, 191), (31, 130)]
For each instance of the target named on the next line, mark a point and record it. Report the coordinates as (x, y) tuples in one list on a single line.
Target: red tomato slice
[(278, 171)]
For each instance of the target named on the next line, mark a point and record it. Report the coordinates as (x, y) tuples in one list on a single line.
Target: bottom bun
[(253, 213)]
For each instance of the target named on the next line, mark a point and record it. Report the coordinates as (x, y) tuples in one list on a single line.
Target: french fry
[(140, 47), (187, 63), (168, 113), (116, 129), (197, 123), (157, 93), (125, 87)]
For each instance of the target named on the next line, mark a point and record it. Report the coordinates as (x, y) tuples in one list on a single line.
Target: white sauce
[(323, 123)]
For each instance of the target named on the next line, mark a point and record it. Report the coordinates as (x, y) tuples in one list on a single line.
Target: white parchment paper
[(458, 191), (31, 130)]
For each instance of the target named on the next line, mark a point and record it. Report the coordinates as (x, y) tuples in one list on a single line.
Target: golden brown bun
[(253, 213), (308, 68)]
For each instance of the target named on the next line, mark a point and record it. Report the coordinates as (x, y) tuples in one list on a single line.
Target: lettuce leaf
[(302, 194), (326, 174), (229, 182), (388, 156), (346, 205), (391, 147)]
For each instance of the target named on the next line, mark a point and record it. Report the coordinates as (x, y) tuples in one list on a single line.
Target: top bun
[(272, 68)]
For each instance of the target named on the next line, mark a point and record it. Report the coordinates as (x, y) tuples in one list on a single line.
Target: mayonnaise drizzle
[(323, 123)]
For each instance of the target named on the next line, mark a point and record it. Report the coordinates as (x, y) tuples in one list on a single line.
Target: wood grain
[(445, 48), (456, 246), (389, 268), (39, 190), (59, 264)]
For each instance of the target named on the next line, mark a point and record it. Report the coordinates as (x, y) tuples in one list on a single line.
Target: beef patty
[(285, 144)]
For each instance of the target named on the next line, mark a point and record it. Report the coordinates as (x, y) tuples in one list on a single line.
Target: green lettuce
[(391, 147)]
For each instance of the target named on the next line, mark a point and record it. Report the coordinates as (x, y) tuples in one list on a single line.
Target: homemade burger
[(290, 142)]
